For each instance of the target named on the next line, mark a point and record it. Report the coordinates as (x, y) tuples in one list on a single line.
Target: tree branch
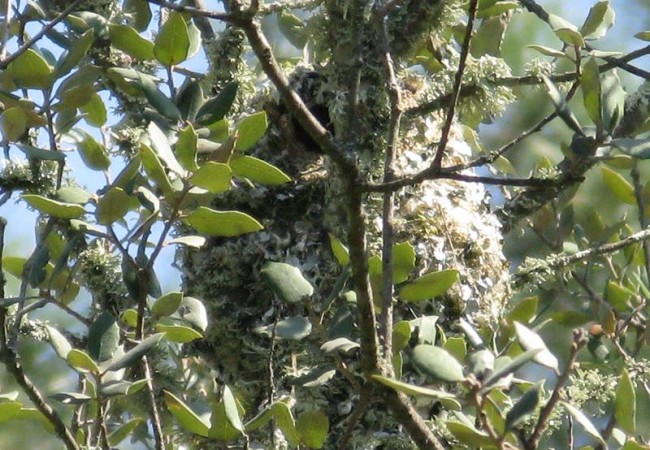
[(458, 79), (27, 45)]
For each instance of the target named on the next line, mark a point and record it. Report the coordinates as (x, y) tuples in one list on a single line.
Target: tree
[(344, 277)]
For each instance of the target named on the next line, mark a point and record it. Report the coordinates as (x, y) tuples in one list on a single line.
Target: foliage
[(344, 279)]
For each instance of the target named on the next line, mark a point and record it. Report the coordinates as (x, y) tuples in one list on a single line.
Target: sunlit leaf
[(222, 223), (187, 418), (436, 363), (213, 177), (583, 420), (112, 206), (286, 281), (258, 171), (103, 337), (128, 40), (411, 389), (529, 340), (81, 361), (625, 404), (429, 286), (312, 428), (54, 208), (173, 42), (619, 186), (251, 129), (600, 19)]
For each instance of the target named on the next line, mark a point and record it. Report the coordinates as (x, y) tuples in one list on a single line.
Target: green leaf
[(155, 170), (590, 83), (187, 418), (128, 40), (75, 54), (190, 241), (173, 42), (489, 37), (133, 355), (212, 176), (9, 410), (525, 406), (167, 305), (286, 281), (39, 153), (437, 363), (186, 148), (258, 171), (13, 123), (497, 9), (639, 148), (428, 286), (619, 186), (71, 398), (123, 431), (103, 337), (548, 51), (222, 223), (511, 367), (285, 422), (81, 361), (178, 333), (92, 152), (193, 312), (339, 250), (138, 12), (529, 340), (30, 71), (59, 342), (217, 107), (410, 389), (159, 101), (643, 35), (426, 327), (600, 19), (561, 105), (312, 428), (250, 130), (259, 421), (456, 347), (480, 363), (54, 208), (113, 206), (190, 99), (566, 31), (401, 335), (583, 420), (625, 404), (403, 261), (618, 296), (160, 145), (292, 28), (230, 407), (293, 328), (73, 194), (339, 344), (469, 435), (95, 111), (613, 99), (221, 429), (524, 311)]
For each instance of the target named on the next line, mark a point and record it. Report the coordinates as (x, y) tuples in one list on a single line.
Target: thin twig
[(7, 26), (193, 11), (579, 341), (388, 209), (458, 79), (27, 45)]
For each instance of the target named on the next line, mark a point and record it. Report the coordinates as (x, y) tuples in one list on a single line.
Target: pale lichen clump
[(101, 274)]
